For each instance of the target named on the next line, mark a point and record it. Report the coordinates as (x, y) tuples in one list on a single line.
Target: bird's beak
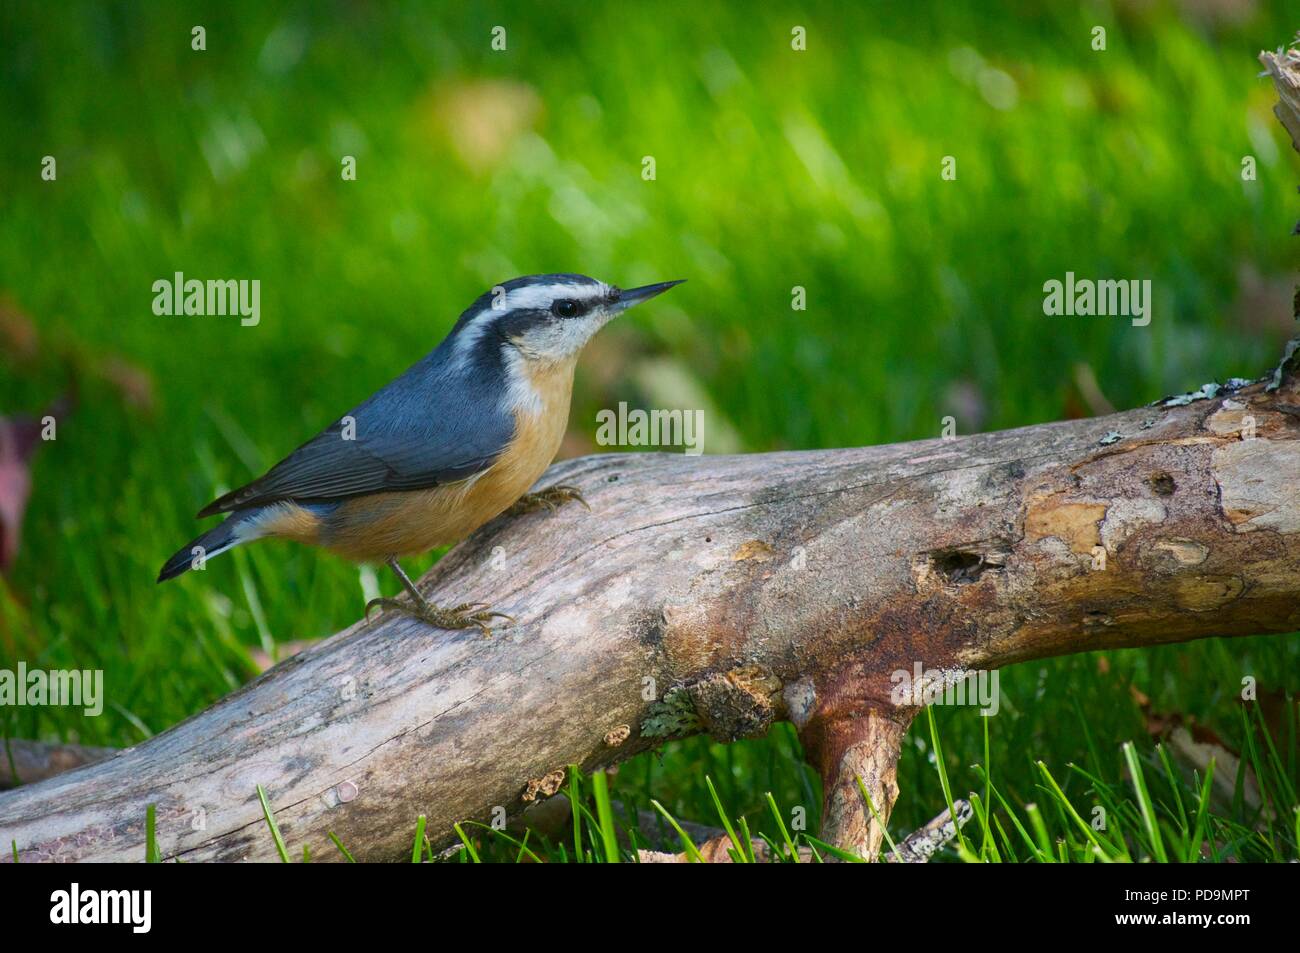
[(633, 296)]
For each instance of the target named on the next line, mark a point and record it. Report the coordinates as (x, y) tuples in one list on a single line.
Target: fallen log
[(720, 594)]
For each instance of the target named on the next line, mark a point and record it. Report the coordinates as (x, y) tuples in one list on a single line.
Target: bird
[(453, 442)]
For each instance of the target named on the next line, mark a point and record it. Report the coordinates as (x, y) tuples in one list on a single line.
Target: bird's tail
[(235, 530)]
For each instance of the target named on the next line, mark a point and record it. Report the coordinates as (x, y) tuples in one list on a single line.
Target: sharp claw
[(549, 499), (467, 615), (573, 493)]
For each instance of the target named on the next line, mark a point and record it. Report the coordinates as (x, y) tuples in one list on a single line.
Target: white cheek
[(581, 332), (561, 339)]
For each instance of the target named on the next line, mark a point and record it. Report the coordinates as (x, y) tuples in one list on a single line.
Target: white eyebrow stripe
[(541, 296), (527, 298)]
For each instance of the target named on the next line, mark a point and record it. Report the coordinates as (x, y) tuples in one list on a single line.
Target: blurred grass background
[(774, 169)]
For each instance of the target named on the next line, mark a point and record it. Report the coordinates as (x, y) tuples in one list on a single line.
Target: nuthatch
[(455, 441)]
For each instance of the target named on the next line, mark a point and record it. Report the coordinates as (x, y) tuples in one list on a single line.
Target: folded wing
[(417, 432)]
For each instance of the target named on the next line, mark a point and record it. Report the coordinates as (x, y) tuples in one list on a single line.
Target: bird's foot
[(551, 498), (467, 615)]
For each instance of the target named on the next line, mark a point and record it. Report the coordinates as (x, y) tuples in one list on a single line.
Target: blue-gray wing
[(419, 431)]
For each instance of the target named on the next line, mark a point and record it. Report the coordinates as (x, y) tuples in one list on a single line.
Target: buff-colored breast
[(372, 528)]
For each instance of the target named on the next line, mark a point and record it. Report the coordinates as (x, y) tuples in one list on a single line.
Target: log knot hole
[(958, 565)]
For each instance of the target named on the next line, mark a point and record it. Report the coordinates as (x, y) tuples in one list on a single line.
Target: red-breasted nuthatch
[(455, 441)]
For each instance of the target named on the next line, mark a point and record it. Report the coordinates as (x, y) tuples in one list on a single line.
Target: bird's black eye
[(565, 308)]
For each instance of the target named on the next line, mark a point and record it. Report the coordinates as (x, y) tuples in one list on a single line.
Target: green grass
[(775, 169), (1153, 810), (272, 826)]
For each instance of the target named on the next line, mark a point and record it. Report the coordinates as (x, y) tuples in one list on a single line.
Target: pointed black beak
[(633, 296)]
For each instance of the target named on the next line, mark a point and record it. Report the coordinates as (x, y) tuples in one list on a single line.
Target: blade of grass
[(1067, 808), (514, 841), (605, 815), (1274, 760), (419, 839), (747, 839), (1008, 849), (845, 855), (575, 792), (1116, 814), (1268, 807), (523, 848), (1011, 814), (739, 854), (986, 834), (989, 849), (1193, 850), (943, 771), (780, 824), (469, 845), (893, 848), (688, 845), (270, 822), (342, 850), (593, 832), (774, 850), (1044, 851), (151, 853), (1145, 806), (1175, 786)]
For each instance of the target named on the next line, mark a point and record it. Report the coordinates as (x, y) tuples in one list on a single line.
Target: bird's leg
[(551, 498), (466, 615)]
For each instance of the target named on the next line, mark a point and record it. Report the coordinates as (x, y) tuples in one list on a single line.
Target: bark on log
[(720, 594), (745, 589)]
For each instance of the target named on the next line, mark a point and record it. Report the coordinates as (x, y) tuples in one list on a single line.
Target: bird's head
[(547, 317)]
